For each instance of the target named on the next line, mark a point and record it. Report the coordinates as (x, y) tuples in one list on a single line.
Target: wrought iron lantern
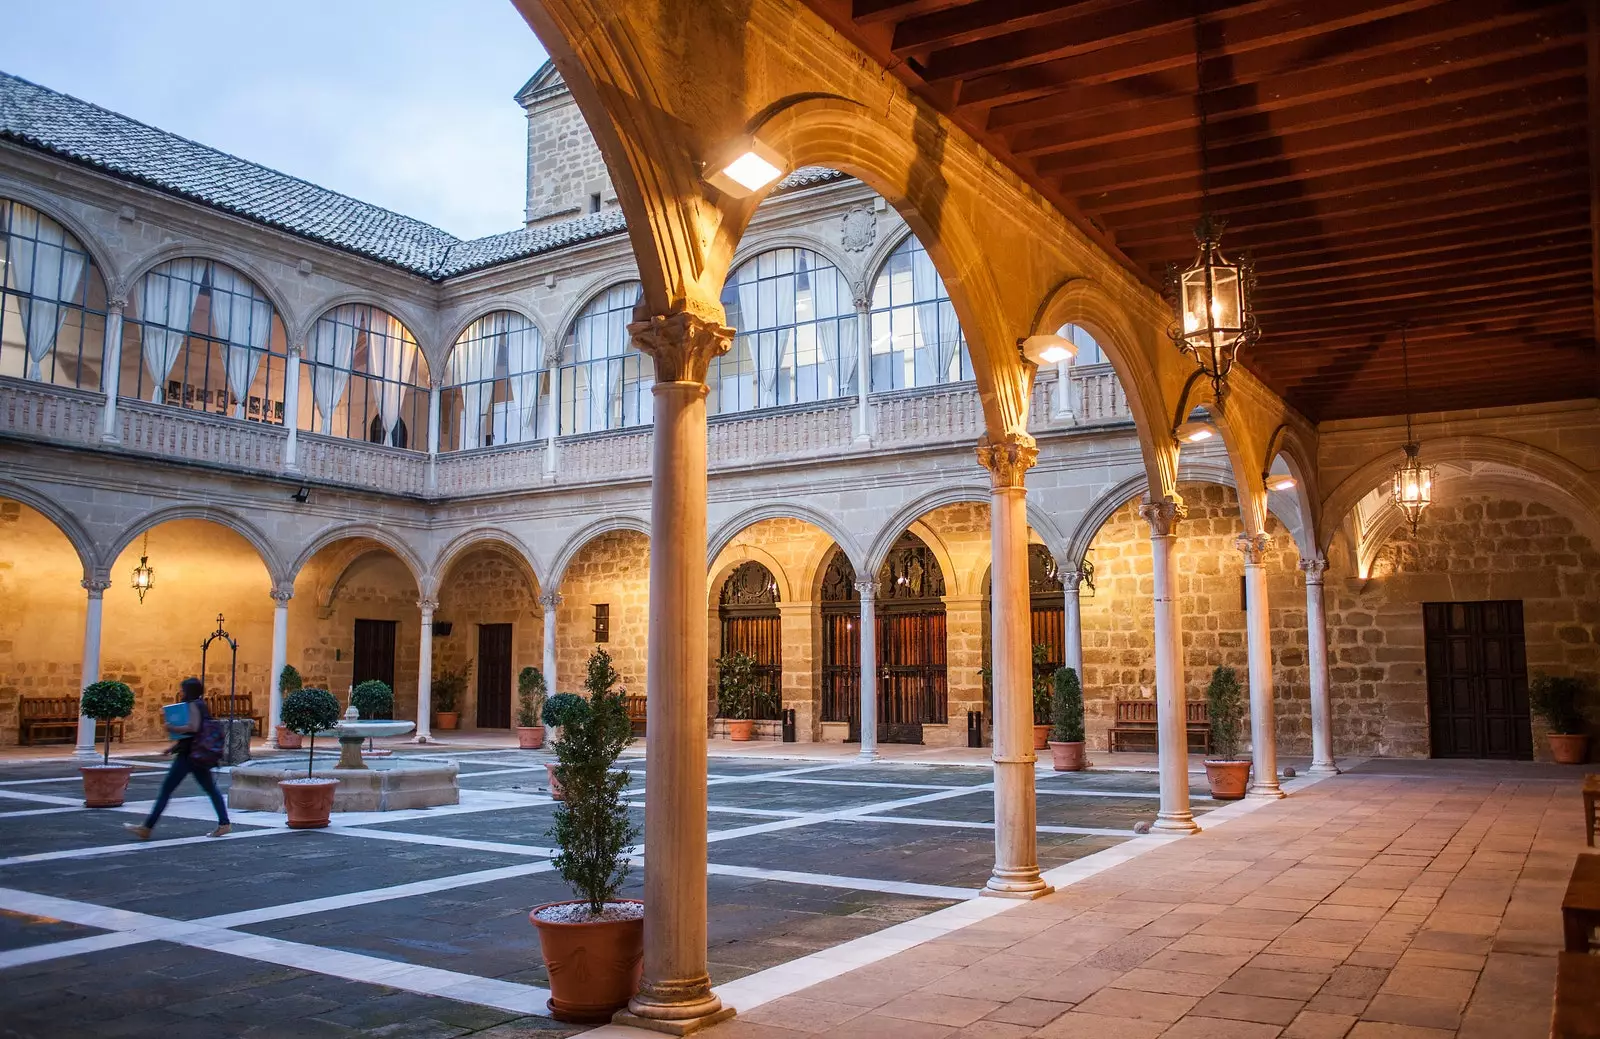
[(1214, 319), (1413, 482), (144, 575)]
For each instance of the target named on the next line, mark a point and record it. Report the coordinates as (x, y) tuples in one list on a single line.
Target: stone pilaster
[(1258, 627), (1322, 760), (863, 305), (1171, 704)]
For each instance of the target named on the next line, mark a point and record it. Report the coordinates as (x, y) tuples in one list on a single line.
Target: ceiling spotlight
[(744, 166), (1047, 349), (1194, 431)]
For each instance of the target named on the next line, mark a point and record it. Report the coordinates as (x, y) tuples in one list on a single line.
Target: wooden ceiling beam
[(919, 36), (1466, 261), (1554, 275), (891, 11), (1365, 318)]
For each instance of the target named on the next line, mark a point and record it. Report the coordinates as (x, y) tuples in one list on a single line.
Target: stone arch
[(369, 532), (482, 309), (116, 282), (1301, 499), (64, 521), (592, 290), (202, 250), (738, 555), (482, 537), (725, 533), (577, 542), (1039, 521), (212, 514)]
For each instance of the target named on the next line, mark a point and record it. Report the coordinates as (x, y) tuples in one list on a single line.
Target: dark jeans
[(182, 766)]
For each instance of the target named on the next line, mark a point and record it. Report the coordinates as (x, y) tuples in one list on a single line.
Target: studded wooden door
[(1477, 680), (494, 676)]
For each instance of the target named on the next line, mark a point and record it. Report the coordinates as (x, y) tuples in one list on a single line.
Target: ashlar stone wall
[(42, 607), (613, 569)]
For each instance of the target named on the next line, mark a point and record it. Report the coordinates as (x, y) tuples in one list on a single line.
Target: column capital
[(1314, 569), (282, 593), (681, 343), (1163, 516), (1253, 547), (550, 600), (116, 302), (297, 348), (1071, 578), (867, 589), (96, 586), (1008, 459), (862, 302), (427, 605)]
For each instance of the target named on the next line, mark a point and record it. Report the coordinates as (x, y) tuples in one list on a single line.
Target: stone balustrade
[(41, 412), (194, 436)]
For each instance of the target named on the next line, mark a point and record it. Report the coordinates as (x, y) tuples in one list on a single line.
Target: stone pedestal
[(237, 749)]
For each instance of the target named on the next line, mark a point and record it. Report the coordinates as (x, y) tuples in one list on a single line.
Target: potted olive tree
[(1560, 700), (106, 785), (1041, 698), (1228, 776), (289, 681), (530, 704), (307, 802), (736, 694), (562, 709), (1066, 722), (593, 945), (449, 684)]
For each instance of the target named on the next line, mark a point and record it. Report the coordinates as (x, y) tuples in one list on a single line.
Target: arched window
[(200, 335), (1089, 351), (605, 384), (916, 339), (52, 302), (797, 334), (494, 380), (363, 378)]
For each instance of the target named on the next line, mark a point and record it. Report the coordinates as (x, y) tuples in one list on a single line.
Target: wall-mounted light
[(1194, 431), (144, 575), (743, 167), (302, 494), (1280, 482), (1047, 349)]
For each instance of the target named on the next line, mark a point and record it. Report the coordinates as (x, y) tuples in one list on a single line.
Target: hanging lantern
[(1214, 319), (144, 576), (1413, 486)]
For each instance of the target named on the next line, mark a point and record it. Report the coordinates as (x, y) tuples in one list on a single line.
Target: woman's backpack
[(207, 747)]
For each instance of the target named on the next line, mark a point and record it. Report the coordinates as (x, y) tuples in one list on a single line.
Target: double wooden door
[(912, 677), (494, 676), (1477, 680), (374, 655)]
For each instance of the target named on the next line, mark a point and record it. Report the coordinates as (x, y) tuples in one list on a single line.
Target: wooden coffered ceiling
[(1384, 161)]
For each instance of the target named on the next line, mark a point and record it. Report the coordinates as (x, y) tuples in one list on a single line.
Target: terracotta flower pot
[(530, 737), (556, 793), (288, 740), (308, 804), (1041, 737), (741, 729), (105, 786), (1228, 779), (1568, 750), (1067, 757), (446, 719), (594, 966)]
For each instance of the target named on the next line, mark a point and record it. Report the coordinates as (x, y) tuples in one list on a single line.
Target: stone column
[(96, 587), (280, 656), (1258, 626), (291, 406), (863, 304), (432, 477), (1072, 619), (549, 601), (1064, 391), (111, 367), (555, 431), (868, 713), (425, 674), (1317, 658), (675, 990), (1016, 855), (1171, 705)]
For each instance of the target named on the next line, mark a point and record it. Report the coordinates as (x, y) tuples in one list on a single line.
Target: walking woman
[(184, 763)]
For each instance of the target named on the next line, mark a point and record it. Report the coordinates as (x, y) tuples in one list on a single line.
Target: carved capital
[(297, 348), (862, 301), (1071, 579), (117, 303), (868, 590), (1007, 460), (282, 593), (96, 586), (1253, 547), (427, 605), (1314, 569), (1163, 516), (550, 600), (682, 344)]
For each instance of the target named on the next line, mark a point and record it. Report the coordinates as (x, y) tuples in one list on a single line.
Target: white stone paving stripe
[(402, 837), (70, 947), (888, 887), (911, 820), (131, 845), (49, 799), (42, 811)]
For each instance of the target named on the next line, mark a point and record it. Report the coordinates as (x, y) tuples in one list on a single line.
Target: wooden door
[(758, 635), (911, 673), (494, 676), (374, 655), (841, 668), (1477, 680)]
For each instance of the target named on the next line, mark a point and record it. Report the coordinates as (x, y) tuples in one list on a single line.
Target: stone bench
[(243, 707)]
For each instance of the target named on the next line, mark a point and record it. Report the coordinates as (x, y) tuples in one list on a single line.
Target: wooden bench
[(1135, 721), (636, 713), (59, 715), (243, 707), (1576, 1014), (1580, 909), (1591, 794)]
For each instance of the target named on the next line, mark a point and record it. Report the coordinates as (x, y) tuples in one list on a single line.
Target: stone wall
[(614, 569), (42, 607), (565, 167), (487, 587), (374, 586)]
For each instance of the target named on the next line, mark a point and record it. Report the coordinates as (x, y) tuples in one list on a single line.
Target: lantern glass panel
[(1225, 301)]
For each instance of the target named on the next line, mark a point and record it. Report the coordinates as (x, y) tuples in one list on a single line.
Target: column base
[(674, 1018), (869, 754), (423, 737), (111, 438), (676, 1027), (1176, 823), (272, 742), (86, 754), (1264, 792), (1021, 884), (1323, 768)]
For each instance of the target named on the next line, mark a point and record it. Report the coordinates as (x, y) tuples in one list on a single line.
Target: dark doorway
[(1477, 680), (494, 676), (752, 625), (374, 656)]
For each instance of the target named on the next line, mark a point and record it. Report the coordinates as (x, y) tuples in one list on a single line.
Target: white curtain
[(241, 318), (393, 357), (333, 345), (44, 264), (781, 345), (166, 306), (934, 355), (472, 366), (524, 350), (749, 309)]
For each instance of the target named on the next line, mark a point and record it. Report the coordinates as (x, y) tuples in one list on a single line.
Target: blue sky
[(402, 103)]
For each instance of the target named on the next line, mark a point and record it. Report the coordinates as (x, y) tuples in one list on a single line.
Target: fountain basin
[(386, 785)]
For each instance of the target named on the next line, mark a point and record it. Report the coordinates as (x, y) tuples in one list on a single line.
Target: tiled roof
[(77, 130)]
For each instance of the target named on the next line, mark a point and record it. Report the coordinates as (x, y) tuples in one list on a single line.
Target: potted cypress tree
[(448, 686), (593, 945), (1228, 776), (106, 785), (558, 711), (736, 682), (1560, 701), (1041, 698), (307, 802), (289, 681), (1066, 722), (530, 704)]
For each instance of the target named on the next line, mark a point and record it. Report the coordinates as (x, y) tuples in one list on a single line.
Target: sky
[(406, 104)]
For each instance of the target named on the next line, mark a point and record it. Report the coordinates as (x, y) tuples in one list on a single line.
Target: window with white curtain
[(200, 335), (493, 384), (605, 384), (363, 378), (52, 302), (797, 334), (916, 339)]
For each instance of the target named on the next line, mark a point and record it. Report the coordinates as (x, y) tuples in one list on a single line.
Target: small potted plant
[(736, 682), (106, 785), (1560, 701), (1041, 698), (530, 703), (593, 945), (448, 686), (289, 681), (1228, 776), (1066, 722), (559, 711), (307, 802), (373, 701)]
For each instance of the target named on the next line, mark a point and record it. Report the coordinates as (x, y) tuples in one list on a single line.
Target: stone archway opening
[(42, 609)]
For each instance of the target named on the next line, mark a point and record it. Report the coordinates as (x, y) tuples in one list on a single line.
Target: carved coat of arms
[(858, 229)]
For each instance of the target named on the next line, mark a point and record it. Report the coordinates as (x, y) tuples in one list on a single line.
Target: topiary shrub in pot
[(1066, 722), (289, 681), (530, 703), (373, 701), (1042, 697), (736, 694), (1228, 776), (308, 802), (560, 710), (106, 785), (593, 945), (1560, 701), (449, 684)]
